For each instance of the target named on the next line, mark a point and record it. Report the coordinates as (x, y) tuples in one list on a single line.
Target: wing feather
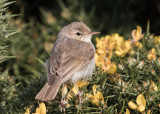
[(68, 56)]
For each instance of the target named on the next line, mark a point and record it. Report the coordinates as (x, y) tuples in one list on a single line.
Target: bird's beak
[(94, 32)]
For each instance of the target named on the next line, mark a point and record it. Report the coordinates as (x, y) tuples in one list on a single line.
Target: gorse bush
[(126, 79), (4, 32), (7, 85)]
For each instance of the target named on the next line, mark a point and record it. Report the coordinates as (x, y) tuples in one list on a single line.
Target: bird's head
[(78, 30)]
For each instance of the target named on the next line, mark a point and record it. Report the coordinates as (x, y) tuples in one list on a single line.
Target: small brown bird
[(72, 58)]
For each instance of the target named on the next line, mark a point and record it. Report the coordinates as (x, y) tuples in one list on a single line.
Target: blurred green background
[(40, 21)]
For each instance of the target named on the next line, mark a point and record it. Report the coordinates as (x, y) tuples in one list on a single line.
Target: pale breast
[(85, 73)]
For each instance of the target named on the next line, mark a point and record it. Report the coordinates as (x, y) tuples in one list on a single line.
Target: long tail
[(48, 92)]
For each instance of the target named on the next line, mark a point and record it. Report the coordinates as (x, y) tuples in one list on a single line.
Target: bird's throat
[(86, 38)]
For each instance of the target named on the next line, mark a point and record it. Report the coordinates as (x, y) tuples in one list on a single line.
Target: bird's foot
[(80, 93), (62, 105)]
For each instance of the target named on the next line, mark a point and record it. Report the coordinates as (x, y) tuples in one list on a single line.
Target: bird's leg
[(80, 93), (63, 101)]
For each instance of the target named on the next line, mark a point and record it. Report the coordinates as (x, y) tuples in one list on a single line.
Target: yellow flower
[(99, 59), (123, 48), (97, 96), (119, 51), (105, 48), (141, 100), (101, 51), (94, 88), (41, 109), (127, 111), (112, 69), (152, 54), (141, 108), (153, 87), (79, 84), (67, 105), (148, 111), (37, 111), (27, 111), (101, 46), (141, 103), (132, 105), (127, 46), (157, 39), (138, 44), (109, 67), (99, 43), (137, 34), (110, 42), (64, 91)]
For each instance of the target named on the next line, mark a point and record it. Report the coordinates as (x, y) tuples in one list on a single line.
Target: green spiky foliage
[(7, 88), (116, 94), (4, 32)]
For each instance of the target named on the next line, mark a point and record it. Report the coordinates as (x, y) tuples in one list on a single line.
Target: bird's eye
[(78, 33)]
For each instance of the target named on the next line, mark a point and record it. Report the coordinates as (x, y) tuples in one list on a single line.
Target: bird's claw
[(80, 95), (62, 105)]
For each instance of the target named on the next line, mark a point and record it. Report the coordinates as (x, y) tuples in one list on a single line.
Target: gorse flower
[(157, 39), (106, 47), (137, 34), (132, 105), (152, 54), (153, 87), (122, 49), (74, 90), (141, 103), (109, 66), (97, 97), (27, 111), (39, 110), (148, 111), (127, 111)]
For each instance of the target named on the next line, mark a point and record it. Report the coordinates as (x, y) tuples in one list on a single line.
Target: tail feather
[(48, 92)]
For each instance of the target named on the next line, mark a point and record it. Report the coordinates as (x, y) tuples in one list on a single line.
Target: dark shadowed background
[(108, 16)]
